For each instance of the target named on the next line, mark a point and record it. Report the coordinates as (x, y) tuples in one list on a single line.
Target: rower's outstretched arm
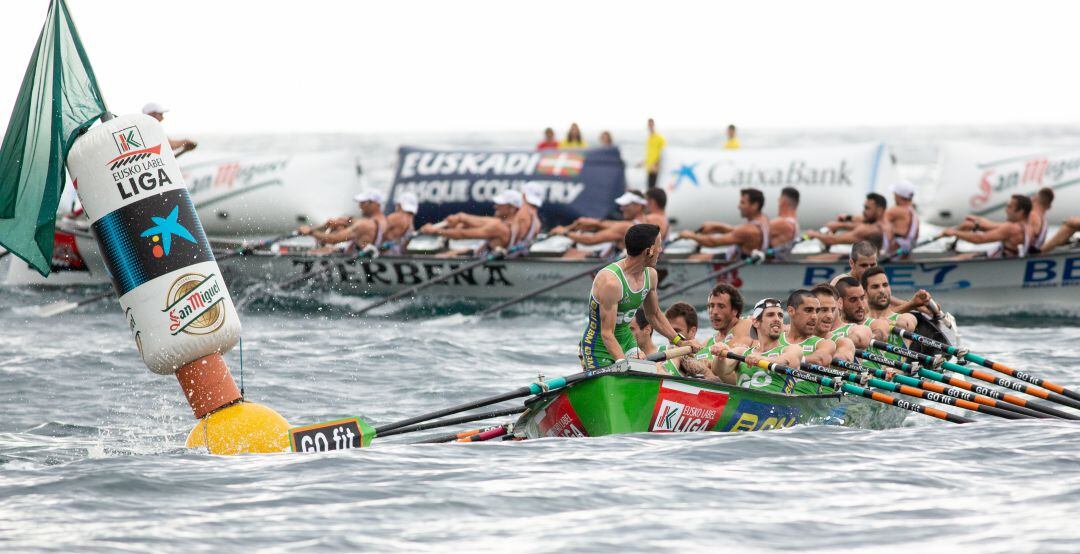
[(490, 230), (344, 234), (823, 353), (737, 236), (1062, 236), (996, 234), (607, 234), (851, 237), (716, 227)]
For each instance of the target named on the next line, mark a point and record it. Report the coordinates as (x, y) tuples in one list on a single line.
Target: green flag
[(59, 98)]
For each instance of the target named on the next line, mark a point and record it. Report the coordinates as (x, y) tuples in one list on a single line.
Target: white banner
[(979, 179), (703, 184)]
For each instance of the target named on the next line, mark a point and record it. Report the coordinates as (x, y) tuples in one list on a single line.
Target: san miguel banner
[(577, 183), (978, 179), (703, 184)]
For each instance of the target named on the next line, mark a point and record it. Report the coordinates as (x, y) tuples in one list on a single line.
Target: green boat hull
[(635, 402)]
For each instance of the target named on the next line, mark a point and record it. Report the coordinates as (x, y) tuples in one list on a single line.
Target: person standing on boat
[(179, 146), (732, 141), (399, 224), (768, 321), (498, 232), (784, 228), (1014, 236), (549, 142), (902, 217), (870, 226), (358, 233), (573, 139), (618, 292), (654, 150), (590, 231), (656, 210), (749, 236), (863, 256)]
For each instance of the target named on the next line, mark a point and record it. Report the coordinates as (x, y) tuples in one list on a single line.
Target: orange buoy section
[(207, 384)]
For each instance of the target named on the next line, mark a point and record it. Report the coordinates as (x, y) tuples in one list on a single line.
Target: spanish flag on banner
[(58, 100)]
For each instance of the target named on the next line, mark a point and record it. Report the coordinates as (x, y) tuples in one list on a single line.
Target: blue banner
[(576, 183)]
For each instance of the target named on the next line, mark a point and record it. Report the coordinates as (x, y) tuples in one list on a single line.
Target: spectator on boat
[(590, 231), (902, 217), (656, 209), (528, 217), (549, 142), (654, 151), (606, 140), (573, 138), (768, 322), (497, 232), (643, 332), (399, 224), (863, 256), (1063, 235), (732, 140), (1013, 235), (871, 226), (179, 146), (784, 229), (357, 233), (747, 237)]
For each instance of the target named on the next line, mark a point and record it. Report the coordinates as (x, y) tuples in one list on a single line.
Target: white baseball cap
[(630, 198), (408, 202), (153, 107), (904, 189), (534, 193), (369, 195), (508, 197)]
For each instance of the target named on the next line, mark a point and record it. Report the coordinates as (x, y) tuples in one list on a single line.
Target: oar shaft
[(453, 436), (468, 418)]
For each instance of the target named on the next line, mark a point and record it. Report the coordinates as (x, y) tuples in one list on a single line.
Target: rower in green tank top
[(882, 316), (802, 308), (618, 292), (768, 318)]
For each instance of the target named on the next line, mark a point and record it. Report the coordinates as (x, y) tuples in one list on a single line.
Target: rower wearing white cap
[(359, 232), (498, 231), (587, 230), (528, 217), (179, 146), (399, 224), (902, 216)]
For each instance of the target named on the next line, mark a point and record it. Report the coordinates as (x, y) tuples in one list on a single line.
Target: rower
[(784, 228), (863, 256), (1014, 236), (528, 217), (618, 291), (587, 230), (656, 210), (1041, 202), (399, 224), (684, 320), (643, 332), (853, 313), (871, 226), (724, 306), (1063, 235), (802, 309), (829, 324), (882, 316), (355, 233), (902, 217), (749, 236), (768, 318), (498, 232)]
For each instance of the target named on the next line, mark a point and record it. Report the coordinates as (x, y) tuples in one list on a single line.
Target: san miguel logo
[(1012, 175), (560, 420), (163, 231), (139, 167), (562, 164), (683, 408), (195, 304)]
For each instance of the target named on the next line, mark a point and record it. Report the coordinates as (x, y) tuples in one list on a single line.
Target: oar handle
[(670, 353)]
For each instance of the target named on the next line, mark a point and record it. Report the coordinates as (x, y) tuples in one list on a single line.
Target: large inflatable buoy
[(165, 275)]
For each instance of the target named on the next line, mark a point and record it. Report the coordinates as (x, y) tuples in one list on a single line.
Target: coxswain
[(871, 226), (656, 210), (852, 313), (590, 231), (499, 231), (179, 146), (749, 236), (618, 292), (863, 256), (784, 228), (1013, 236), (400, 223), (350, 234), (768, 321), (902, 218)]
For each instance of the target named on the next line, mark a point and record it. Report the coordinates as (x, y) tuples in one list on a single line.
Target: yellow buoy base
[(243, 428)]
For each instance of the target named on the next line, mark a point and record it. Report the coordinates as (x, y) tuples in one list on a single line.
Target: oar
[(900, 388), (467, 418), (982, 375), (497, 255), (851, 388), (754, 258), (529, 390), (902, 251), (985, 362), (456, 436), (973, 387), (939, 388), (4, 253), (246, 249), (592, 269)]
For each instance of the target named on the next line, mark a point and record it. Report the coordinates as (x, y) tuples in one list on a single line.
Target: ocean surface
[(92, 457)]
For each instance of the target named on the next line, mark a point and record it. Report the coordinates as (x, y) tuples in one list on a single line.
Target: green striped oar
[(852, 388), (986, 362), (972, 387), (915, 391), (981, 375), (940, 388)]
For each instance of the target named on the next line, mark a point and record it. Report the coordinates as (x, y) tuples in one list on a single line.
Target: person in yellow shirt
[(654, 147), (732, 141), (573, 138)]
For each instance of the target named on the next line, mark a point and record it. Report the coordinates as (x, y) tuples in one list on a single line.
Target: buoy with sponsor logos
[(168, 283)]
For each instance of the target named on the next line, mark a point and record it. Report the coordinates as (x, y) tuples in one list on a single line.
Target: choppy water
[(91, 456)]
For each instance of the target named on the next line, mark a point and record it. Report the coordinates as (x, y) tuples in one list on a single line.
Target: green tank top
[(702, 354), (891, 339), (801, 386), (757, 378), (594, 354), (841, 331)]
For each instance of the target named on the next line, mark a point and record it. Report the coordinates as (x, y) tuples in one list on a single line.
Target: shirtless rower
[(1063, 235), (499, 231), (528, 217), (749, 236), (902, 218), (1041, 202), (1013, 236), (632, 205), (352, 233), (618, 291), (863, 256), (784, 228), (399, 224), (871, 226), (656, 209), (768, 321), (830, 327)]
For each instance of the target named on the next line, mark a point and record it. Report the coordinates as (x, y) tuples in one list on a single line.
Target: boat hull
[(645, 403)]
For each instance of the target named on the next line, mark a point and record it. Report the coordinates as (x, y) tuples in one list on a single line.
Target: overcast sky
[(368, 67)]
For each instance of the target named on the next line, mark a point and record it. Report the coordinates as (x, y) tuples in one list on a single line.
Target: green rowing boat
[(636, 402)]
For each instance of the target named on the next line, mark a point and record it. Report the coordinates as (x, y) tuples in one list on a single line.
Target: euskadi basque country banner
[(577, 182), (979, 179), (704, 183)]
